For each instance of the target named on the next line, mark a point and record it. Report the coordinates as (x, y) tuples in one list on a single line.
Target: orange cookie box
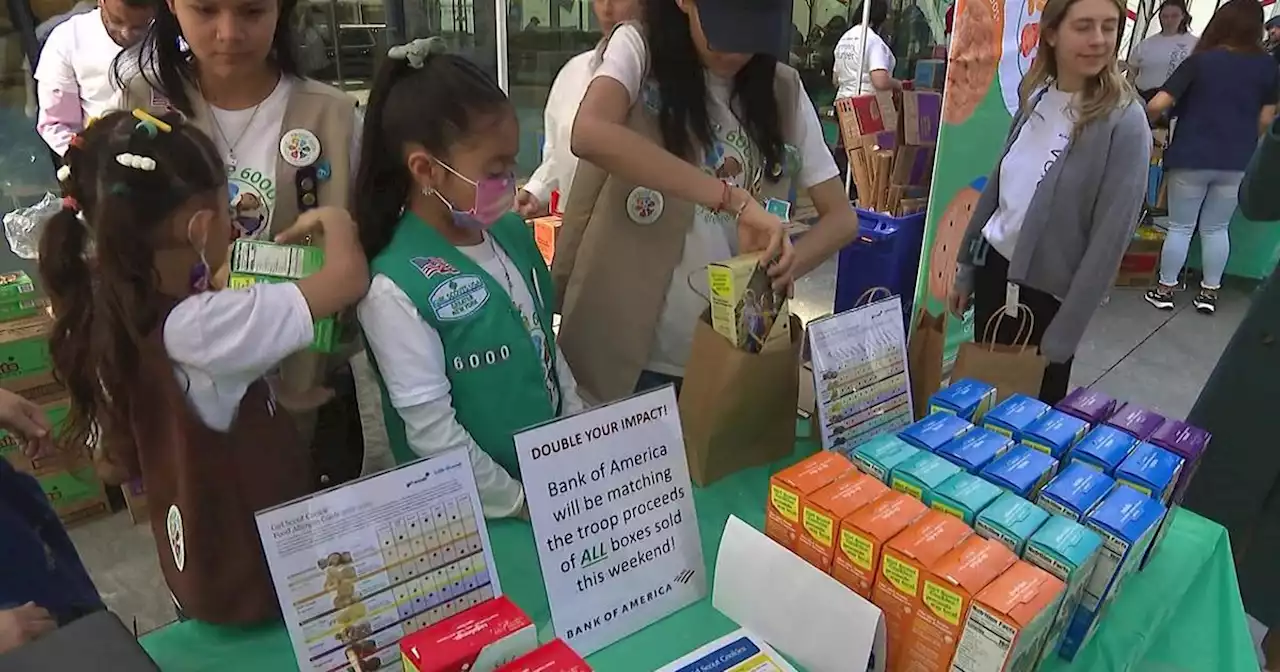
[(864, 534), (903, 564), (949, 586), (789, 488), (825, 509)]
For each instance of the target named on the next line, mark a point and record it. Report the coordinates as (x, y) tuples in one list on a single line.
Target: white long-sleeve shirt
[(74, 78), (411, 360), (558, 162)]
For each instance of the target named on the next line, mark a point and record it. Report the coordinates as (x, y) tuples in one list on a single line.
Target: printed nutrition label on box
[(985, 643), (286, 261)]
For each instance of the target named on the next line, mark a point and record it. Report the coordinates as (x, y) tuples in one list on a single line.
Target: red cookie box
[(480, 639), (554, 656)]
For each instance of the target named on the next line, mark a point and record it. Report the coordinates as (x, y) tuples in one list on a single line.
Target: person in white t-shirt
[(724, 118), (555, 173), (1155, 58), (852, 74), (73, 75)]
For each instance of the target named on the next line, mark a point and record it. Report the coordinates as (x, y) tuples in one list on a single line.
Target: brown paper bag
[(1010, 368), (738, 409), (924, 359)]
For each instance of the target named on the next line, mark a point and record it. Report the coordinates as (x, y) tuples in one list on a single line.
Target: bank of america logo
[(685, 577)]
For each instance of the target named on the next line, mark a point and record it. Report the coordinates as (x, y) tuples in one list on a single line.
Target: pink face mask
[(494, 198)]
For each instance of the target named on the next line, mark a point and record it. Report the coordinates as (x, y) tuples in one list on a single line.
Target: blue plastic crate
[(885, 254)]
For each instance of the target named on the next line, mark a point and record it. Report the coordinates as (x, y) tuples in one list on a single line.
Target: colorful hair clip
[(142, 115), (417, 51), (148, 127), (64, 173), (119, 189), (69, 203), (143, 163), (90, 121)]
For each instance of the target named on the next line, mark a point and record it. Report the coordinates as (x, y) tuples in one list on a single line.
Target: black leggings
[(989, 284)]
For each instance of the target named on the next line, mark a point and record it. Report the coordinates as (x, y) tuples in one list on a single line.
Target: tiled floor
[(1130, 351)]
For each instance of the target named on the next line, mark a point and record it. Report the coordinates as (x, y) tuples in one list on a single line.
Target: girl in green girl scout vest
[(458, 315)]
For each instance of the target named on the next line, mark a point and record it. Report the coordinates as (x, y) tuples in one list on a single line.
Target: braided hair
[(123, 179)]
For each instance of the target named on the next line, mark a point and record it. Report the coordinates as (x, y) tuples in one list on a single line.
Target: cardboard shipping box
[(18, 296), (554, 656), (1008, 621), (905, 559), (545, 231), (789, 488), (949, 586), (826, 508), (75, 493), (25, 364), (864, 534), (55, 411), (1141, 260)]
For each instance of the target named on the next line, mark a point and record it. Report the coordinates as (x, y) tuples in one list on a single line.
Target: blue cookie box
[(1014, 415), (1074, 491), (1151, 470), (975, 449), (1021, 470), (1054, 433), (967, 398), (1103, 449), (934, 431)]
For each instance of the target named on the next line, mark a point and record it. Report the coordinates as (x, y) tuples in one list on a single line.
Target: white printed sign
[(613, 518), (361, 565)]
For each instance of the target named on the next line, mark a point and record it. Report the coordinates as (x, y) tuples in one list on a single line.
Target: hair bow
[(143, 163), (417, 51)]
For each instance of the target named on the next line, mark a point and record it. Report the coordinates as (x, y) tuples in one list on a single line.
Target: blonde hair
[(1102, 93)]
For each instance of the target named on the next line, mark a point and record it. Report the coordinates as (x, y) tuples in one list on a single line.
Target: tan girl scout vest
[(330, 115), (618, 247)]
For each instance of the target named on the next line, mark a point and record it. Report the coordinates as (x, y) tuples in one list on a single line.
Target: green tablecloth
[(1182, 613)]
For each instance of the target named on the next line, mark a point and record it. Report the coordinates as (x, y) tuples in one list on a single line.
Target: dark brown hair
[(104, 306), (1185, 23), (1237, 26)]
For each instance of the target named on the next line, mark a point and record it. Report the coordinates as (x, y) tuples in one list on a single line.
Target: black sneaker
[(1206, 301), (1161, 297)]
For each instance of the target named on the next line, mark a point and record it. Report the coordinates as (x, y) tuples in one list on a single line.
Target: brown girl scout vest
[(203, 487), (612, 272), (330, 115)]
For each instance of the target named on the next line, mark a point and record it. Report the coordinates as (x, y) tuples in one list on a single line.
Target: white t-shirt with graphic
[(1158, 56), (1041, 141), (252, 136), (848, 61), (411, 360), (713, 237)]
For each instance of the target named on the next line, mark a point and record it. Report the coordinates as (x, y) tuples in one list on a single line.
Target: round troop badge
[(644, 206), (299, 147)]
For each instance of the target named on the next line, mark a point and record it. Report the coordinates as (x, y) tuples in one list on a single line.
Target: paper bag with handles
[(1013, 368), (924, 358), (737, 409)]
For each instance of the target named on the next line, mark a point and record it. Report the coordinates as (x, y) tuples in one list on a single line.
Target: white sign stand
[(613, 518), (821, 624)]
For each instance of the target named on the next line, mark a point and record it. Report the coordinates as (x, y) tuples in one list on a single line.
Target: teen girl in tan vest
[(686, 160), (289, 146)]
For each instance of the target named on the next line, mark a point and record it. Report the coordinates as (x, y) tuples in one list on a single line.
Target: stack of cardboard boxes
[(68, 476), (890, 139), (990, 548)]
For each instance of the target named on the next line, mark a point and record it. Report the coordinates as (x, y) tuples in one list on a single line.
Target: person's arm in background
[(535, 197), (879, 58), (57, 92), (1115, 217), (1172, 90), (837, 224)]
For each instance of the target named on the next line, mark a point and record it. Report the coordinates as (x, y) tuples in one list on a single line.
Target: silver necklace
[(231, 146), (511, 287)]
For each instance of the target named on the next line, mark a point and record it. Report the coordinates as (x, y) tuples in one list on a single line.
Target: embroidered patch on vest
[(177, 541), (458, 298), (644, 206), (430, 267)]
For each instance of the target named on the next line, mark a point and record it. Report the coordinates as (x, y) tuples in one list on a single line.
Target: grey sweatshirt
[(1079, 222)]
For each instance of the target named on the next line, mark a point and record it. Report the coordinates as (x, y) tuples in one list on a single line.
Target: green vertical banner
[(992, 45)]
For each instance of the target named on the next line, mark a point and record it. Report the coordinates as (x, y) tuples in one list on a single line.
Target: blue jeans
[(1207, 199)]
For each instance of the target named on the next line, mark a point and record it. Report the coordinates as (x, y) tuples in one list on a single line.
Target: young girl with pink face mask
[(458, 314)]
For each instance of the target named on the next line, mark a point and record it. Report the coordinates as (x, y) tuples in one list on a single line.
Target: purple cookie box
[(1189, 442), (1136, 421), (1089, 405)]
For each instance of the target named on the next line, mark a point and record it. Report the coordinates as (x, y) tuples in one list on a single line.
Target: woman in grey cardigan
[(1063, 201)]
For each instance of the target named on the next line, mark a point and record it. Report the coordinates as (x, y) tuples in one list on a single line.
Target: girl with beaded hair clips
[(165, 365)]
